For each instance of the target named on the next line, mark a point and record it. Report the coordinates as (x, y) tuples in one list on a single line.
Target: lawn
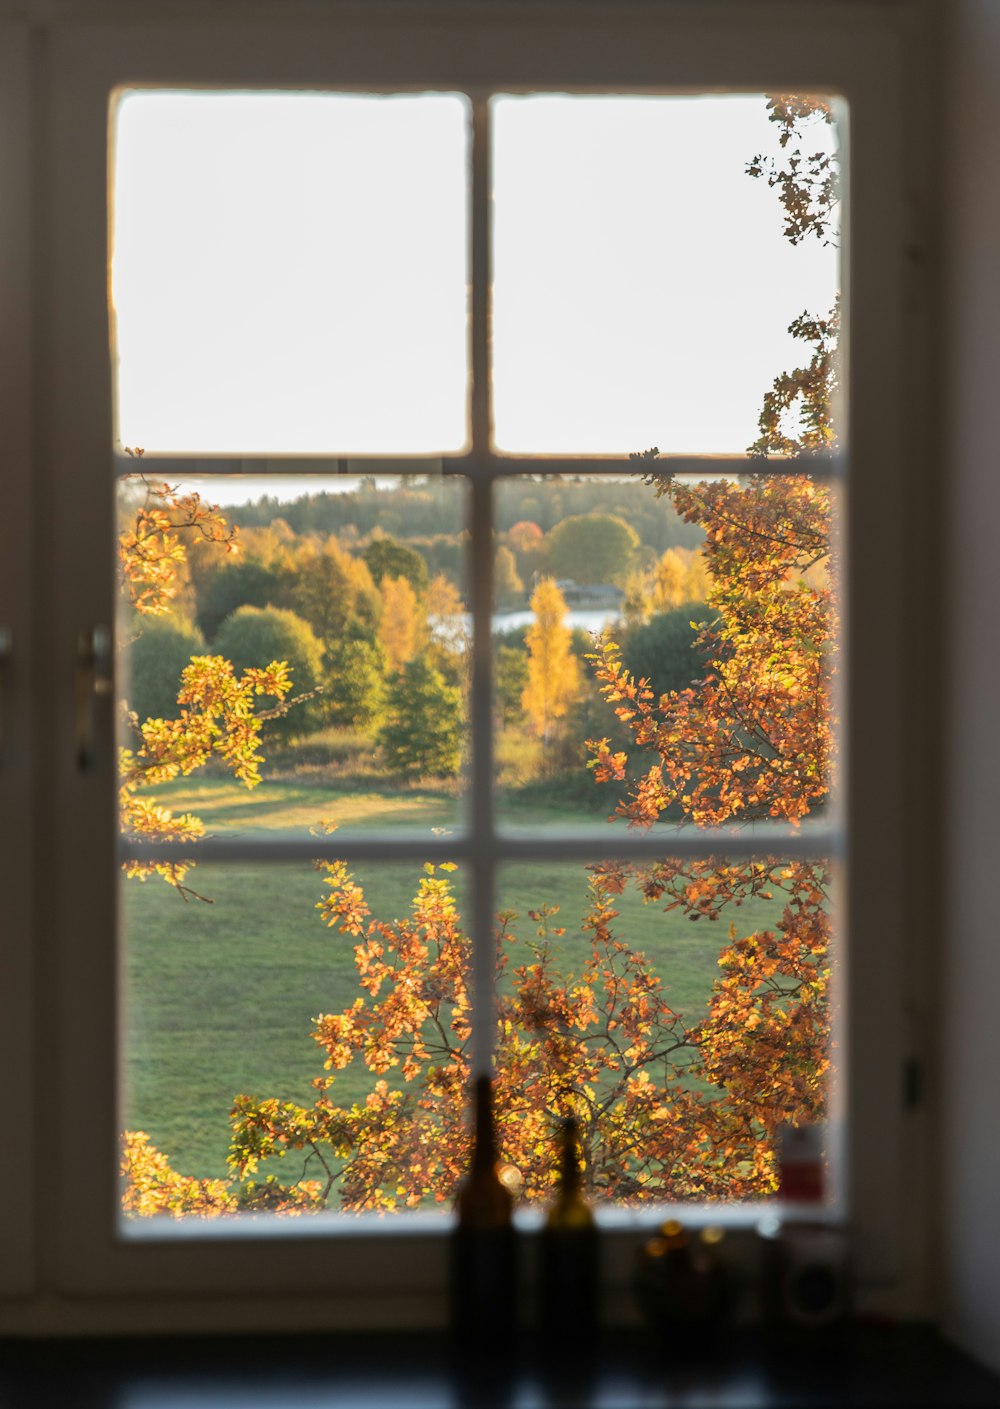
[(284, 807), (218, 997)]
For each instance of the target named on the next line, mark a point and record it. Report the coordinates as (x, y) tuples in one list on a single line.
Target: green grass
[(292, 807), (219, 998)]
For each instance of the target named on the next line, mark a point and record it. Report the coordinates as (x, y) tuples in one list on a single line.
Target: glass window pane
[(289, 272), (668, 656), (283, 1025), (293, 655), (643, 285), (682, 1049)]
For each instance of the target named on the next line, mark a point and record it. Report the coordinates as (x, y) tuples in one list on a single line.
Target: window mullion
[(480, 800), (481, 832), (583, 844), (481, 410)]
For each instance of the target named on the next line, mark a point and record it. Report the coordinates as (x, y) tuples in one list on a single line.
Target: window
[(652, 54), (613, 345)]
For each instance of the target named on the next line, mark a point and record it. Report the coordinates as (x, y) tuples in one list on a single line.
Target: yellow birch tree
[(553, 670), (669, 581), (399, 628)]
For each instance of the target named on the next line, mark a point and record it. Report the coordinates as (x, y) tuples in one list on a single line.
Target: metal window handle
[(93, 679), (6, 648)]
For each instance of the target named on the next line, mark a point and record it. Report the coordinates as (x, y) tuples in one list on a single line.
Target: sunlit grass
[(295, 808)]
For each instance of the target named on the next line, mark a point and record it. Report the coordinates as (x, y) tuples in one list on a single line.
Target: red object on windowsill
[(800, 1163)]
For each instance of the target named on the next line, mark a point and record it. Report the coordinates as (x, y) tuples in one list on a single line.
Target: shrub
[(155, 661), (256, 636)]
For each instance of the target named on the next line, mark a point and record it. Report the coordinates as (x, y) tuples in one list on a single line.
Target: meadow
[(218, 997)]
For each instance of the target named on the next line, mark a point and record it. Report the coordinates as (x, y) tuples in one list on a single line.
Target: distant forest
[(431, 505)]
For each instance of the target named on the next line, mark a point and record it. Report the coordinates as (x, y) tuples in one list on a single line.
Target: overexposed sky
[(290, 273)]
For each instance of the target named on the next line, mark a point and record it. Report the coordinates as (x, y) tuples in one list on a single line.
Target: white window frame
[(62, 68)]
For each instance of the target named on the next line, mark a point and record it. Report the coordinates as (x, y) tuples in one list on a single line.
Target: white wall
[(970, 1091)]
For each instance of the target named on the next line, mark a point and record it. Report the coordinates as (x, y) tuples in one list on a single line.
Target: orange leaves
[(766, 1040), (607, 766), (340, 1035), (345, 905), (582, 1022), (755, 740)]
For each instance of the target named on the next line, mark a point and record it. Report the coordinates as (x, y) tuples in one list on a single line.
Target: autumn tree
[(806, 175), (592, 548), (508, 588), (527, 541), (334, 592), (553, 671), (218, 713), (578, 1036), (399, 629), (160, 526), (446, 633)]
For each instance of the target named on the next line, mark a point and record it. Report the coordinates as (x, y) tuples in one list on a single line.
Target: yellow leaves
[(151, 1187), (151, 550), (553, 670), (216, 718), (400, 625)]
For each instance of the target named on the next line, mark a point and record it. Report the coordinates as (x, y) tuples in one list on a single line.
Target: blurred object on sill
[(684, 1288)]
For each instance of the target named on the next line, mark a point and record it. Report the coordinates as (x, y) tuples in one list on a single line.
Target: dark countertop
[(858, 1366)]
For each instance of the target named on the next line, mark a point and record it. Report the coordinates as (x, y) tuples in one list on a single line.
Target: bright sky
[(290, 273)]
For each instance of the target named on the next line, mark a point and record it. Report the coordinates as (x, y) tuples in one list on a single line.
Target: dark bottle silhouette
[(483, 1249), (568, 1252)]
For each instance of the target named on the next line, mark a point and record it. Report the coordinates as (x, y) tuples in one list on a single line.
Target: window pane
[(293, 657), (289, 272), (240, 1031), (666, 650), (680, 1048), (643, 285)]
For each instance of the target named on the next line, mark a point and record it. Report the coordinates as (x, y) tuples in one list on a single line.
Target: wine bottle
[(483, 1250), (568, 1247)]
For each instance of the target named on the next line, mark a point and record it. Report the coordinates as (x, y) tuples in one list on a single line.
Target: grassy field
[(218, 998)]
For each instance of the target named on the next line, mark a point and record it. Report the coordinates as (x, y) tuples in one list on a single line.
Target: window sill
[(908, 1364)]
